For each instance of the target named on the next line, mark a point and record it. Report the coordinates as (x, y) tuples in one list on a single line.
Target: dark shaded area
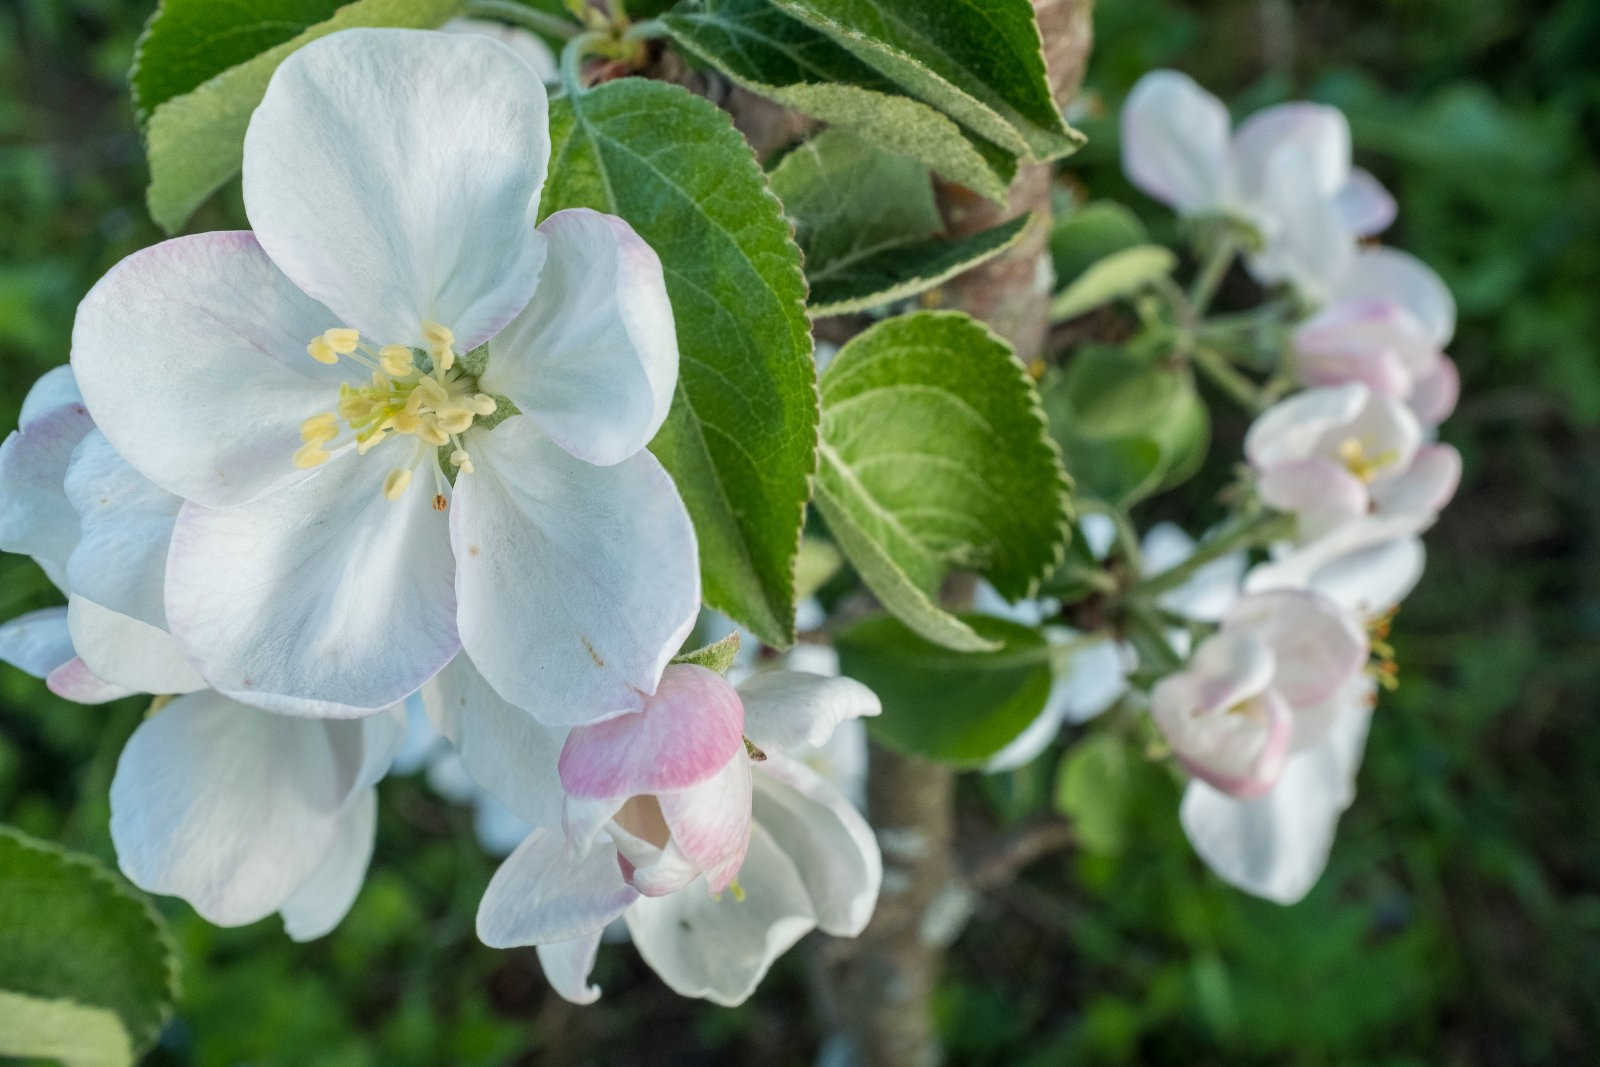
[(1460, 916)]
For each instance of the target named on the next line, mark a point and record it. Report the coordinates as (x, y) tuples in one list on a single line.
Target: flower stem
[(1215, 365), (1245, 531), (572, 59), (526, 17), (1212, 273)]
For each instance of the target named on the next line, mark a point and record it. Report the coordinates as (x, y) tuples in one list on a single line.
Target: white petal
[(1291, 429), (567, 965), (1175, 142), (1240, 750), (321, 599), (790, 711), (1321, 492), (833, 848), (528, 47), (233, 808), (1365, 205), (129, 652), (1297, 566), (323, 899), (1305, 241), (1024, 748), (593, 358), (503, 748), (1094, 678), (395, 176), (76, 682), (422, 741), (1317, 646), (1316, 134), (1390, 274), (191, 355), (987, 599), (720, 948), (1099, 533), (1426, 486), (710, 822), (1434, 395), (1373, 580), (36, 518), (120, 561), (38, 642), (1277, 845), (55, 388), (576, 583), (541, 894), (1387, 432)]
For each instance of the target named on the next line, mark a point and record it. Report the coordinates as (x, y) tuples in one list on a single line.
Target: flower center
[(1353, 454), (434, 406)]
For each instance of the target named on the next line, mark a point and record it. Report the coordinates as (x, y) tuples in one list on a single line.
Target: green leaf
[(935, 455), (1095, 790), (1118, 275), (1127, 427), (864, 219), (980, 61), (775, 56), (194, 140), (741, 437), (1081, 237), (717, 656), (958, 708), (62, 1030), (72, 931)]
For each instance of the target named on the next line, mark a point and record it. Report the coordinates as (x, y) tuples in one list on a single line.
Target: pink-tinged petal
[(1321, 492), (1380, 368), (686, 734), (1277, 845), (1375, 341), (1434, 395), (233, 808), (191, 355), (593, 358), (543, 895), (1366, 582), (1228, 668), (1390, 274), (1175, 142), (719, 948), (120, 561), (55, 388), (1240, 751), (710, 821), (1304, 241), (833, 848), (1292, 428), (36, 518), (1426, 486), (1385, 433), (38, 642), (323, 900), (607, 554), (503, 748), (129, 652), (395, 176), (658, 867), (1317, 646), (74, 681), (791, 711), (322, 599), (1316, 134), (1365, 205), (567, 964)]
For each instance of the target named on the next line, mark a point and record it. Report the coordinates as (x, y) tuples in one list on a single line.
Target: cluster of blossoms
[(385, 448), (1268, 712)]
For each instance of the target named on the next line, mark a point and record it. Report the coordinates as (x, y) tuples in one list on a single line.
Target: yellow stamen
[(319, 428), (342, 340), (311, 454), (481, 404), (322, 352), (436, 335), (396, 483), (737, 890), (395, 360)]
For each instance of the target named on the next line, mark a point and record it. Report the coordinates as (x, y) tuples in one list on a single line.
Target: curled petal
[(833, 848), (1365, 205), (791, 711), (1316, 645), (541, 895), (710, 821), (1175, 142), (395, 176), (1239, 750), (129, 652), (74, 681), (567, 965), (1291, 429)]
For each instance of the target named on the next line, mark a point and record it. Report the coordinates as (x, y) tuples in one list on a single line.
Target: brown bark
[(887, 980)]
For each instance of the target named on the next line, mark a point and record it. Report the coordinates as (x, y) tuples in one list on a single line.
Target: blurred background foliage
[(1459, 919)]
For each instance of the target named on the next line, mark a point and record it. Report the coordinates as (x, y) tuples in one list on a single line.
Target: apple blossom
[(1285, 172), (393, 316), (808, 858), (1264, 685)]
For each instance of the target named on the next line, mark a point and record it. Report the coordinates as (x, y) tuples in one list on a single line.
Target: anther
[(395, 360), (311, 454), (461, 461), (481, 404), (342, 340), (396, 482), (319, 428), (321, 351)]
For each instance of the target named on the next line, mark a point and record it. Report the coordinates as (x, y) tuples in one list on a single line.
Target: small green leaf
[(62, 1030), (1094, 790), (70, 930), (717, 656), (1118, 275), (958, 708), (195, 140), (980, 63), (741, 438), (818, 562), (782, 59), (864, 219), (935, 455), (1081, 237), (1127, 427)]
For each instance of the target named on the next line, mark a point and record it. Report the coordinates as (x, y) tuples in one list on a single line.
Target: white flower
[(304, 388), (1264, 685), (1285, 171), (810, 860), (497, 828), (1350, 463)]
